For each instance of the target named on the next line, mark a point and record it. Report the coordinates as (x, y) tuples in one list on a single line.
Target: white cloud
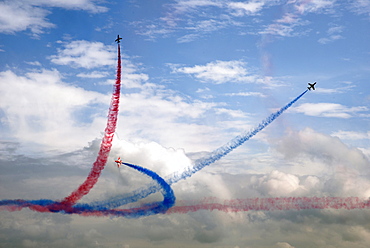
[(227, 12), (284, 245), (333, 34), (56, 115), (259, 94), (344, 170), (134, 80), (39, 108), (202, 27), (341, 89), (351, 135), (188, 38), (207, 25), (173, 119), (94, 74), (85, 54), (361, 6), (278, 29), (243, 8), (16, 16), (313, 6), (288, 18), (316, 145), (19, 15), (35, 63), (87, 5), (232, 113), (219, 72), (50, 113), (169, 23), (278, 184), (151, 30), (151, 155), (186, 5), (328, 110), (285, 26)]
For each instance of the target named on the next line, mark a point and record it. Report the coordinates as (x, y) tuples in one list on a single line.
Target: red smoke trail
[(273, 204), (105, 146), (210, 204)]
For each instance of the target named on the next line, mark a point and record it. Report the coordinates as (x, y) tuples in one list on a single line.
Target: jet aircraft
[(311, 86), (118, 40), (118, 162)]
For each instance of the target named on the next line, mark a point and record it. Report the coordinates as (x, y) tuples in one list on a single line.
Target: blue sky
[(196, 73)]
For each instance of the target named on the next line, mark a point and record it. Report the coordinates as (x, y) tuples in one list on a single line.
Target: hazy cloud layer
[(337, 160)]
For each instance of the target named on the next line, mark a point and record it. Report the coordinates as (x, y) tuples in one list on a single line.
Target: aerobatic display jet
[(118, 40), (311, 86), (118, 162)]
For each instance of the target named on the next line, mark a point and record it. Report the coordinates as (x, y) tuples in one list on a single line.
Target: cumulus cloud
[(44, 109), (49, 112), (152, 156), (94, 59), (19, 15), (345, 168), (85, 54), (16, 17), (174, 120), (278, 184)]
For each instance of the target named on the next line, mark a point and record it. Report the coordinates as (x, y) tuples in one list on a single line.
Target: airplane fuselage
[(311, 86), (118, 40)]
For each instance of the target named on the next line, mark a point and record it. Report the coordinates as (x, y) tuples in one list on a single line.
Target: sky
[(195, 74)]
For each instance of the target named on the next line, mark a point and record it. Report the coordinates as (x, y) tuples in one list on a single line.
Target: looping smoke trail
[(44, 205), (105, 146), (146, 210), (198, 164), (274, 204)]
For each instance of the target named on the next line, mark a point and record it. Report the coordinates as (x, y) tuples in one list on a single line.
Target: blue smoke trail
[(160, 207), (44, 205), (198, 164), (231, 145)]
